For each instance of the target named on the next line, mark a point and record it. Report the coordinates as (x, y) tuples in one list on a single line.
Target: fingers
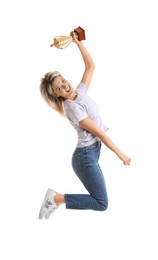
[(127, 162), (74, 36)]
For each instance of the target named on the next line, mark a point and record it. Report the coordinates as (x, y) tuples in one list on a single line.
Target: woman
[(82, 113)]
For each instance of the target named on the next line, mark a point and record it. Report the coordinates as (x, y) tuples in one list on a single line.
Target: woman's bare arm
[(88, 61), (91, 126)]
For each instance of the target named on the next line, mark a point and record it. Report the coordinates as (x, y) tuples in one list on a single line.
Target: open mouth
[(68, 89)]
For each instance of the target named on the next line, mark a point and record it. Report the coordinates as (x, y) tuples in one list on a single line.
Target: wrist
[(119, 154), (79, 43)]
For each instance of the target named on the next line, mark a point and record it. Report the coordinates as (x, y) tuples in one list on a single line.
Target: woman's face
[(62, 88)]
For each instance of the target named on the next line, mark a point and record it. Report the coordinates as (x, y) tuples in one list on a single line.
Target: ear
[(55, 94)]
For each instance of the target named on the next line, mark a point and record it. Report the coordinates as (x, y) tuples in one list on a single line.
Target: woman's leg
[(86, 167), (85, 164)]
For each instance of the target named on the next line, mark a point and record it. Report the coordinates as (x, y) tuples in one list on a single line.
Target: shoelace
[(48, 204)]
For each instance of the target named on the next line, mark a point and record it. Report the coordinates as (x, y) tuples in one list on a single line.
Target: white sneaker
[(48, 205)]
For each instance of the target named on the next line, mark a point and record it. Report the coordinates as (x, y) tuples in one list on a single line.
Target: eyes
[(58, 89)]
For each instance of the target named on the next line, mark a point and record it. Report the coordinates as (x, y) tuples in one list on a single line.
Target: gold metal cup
[(62, 42)]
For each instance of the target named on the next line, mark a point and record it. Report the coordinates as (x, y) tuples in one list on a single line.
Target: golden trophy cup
[(62, 42)]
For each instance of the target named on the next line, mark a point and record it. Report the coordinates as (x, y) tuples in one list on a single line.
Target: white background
[(36, 144)]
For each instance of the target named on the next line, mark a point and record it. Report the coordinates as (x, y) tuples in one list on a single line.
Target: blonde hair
[(47, 93)]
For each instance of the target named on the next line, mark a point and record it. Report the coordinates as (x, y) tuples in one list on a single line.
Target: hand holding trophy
[(62, 42)]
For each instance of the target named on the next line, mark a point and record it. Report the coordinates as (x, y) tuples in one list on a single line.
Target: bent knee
[(103, 206)]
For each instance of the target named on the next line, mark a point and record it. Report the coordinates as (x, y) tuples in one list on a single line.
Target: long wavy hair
[(47, 93)]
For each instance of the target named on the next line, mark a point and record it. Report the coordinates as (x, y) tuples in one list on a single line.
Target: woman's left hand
[(126, 160)]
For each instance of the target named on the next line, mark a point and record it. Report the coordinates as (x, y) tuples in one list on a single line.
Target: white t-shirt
[(80, 108)]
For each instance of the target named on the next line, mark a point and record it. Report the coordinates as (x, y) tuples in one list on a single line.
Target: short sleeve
[(81, 89), (76, 114)]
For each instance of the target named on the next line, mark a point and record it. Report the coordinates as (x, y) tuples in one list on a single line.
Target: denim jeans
[(85, 165)]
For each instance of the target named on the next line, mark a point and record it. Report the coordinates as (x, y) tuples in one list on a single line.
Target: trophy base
[(81, 33)]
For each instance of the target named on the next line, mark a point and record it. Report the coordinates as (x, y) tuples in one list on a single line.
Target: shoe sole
[(48, 215)]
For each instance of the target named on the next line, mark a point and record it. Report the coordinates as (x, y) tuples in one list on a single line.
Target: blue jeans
[(86, 166)]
